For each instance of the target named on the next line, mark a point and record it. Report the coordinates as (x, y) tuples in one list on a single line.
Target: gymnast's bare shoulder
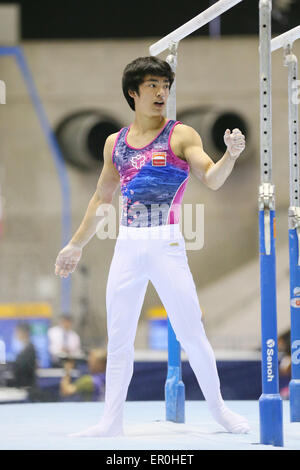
[(184, 137), (109, 145), (109, 178)]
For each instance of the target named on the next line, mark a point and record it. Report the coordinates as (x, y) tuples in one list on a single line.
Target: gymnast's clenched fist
[(235, 142)]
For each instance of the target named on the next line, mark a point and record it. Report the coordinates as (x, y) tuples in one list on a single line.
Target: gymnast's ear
[(132, 93)]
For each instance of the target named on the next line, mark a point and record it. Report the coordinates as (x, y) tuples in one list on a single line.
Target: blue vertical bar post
[(174, 387), (290, 61), (294, 385), (270, 402), (56, 155)]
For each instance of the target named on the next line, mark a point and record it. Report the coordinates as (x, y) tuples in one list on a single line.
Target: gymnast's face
[(152, 96)]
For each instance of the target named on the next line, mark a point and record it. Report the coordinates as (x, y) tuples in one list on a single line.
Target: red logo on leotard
[(159, 158)]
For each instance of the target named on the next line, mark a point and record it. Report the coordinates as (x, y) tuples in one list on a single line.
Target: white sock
[(231, 421)]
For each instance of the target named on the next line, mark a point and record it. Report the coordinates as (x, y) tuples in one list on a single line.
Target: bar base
[(294, 401), (271, 420), (175, 396)]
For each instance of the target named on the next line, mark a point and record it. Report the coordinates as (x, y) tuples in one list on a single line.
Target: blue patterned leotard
[(153, 179)]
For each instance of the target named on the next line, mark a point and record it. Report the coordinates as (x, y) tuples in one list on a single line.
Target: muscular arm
[(107, 184), (213, 175)]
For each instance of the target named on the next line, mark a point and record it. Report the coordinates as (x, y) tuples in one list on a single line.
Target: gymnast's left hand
[(235, 142)]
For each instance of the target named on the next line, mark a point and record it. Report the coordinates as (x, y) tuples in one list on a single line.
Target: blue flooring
[(46, 426)]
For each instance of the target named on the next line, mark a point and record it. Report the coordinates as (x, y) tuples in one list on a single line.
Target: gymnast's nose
[(160, 92)]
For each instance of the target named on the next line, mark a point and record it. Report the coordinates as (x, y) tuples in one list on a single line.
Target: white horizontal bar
[(286, 38), (201, 20)]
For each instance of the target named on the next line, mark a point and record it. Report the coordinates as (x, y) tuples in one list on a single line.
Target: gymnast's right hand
[(67, 260)]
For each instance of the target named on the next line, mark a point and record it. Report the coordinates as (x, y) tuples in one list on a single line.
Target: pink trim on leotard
[(142, 148), (174, 219), (115, 144)]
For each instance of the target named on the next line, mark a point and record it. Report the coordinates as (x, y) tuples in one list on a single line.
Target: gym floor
[(47, 426)]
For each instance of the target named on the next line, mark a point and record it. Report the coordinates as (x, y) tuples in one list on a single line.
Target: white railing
[(285, 39), (188, 28)]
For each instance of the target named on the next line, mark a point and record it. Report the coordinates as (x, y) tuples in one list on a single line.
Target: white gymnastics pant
[(156, 254)]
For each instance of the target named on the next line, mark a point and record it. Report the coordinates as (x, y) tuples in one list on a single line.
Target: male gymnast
[(151, 160)]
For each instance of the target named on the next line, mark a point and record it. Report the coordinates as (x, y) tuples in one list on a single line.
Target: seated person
[(90, 387), (63, 341), (24, 366)]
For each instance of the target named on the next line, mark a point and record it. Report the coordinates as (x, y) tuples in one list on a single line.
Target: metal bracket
[(266, 202), (294, 223), (287, 52), (172, 57), (265, 3)]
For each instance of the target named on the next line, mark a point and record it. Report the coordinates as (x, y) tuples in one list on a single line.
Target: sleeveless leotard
[(153, 179)]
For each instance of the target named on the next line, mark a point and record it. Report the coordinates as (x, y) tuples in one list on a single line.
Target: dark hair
[(66, 316), (135, 72), (24, 327)]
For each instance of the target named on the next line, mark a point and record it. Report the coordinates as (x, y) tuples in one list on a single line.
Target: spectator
[(90, 387), (284, 356), (24, 367), (63, 340)]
